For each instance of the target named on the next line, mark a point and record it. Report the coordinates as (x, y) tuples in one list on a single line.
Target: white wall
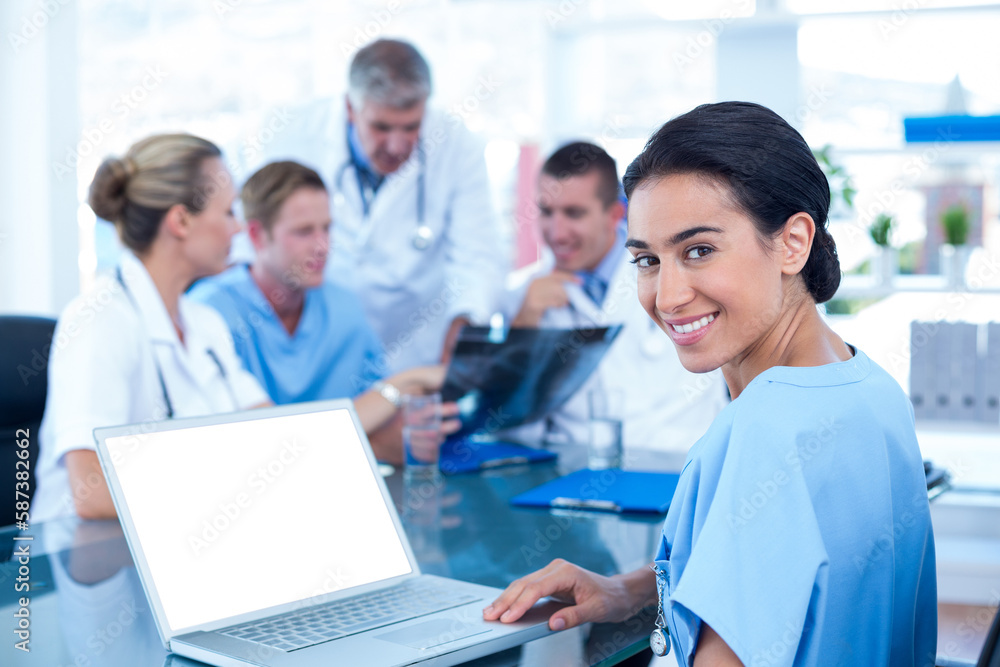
[(38, 229), (759, 62)]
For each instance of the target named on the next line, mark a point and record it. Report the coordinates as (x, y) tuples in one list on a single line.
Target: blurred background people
[(416, 236), (305, 338)]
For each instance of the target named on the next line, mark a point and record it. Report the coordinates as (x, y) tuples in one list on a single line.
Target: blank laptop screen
[(238, 517)]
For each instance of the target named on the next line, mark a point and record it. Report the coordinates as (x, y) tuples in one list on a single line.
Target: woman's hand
[(594, 598)]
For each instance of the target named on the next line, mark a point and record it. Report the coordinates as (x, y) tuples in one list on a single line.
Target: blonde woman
[(135, 349)]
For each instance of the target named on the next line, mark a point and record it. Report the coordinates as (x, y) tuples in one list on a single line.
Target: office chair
[(24, 357), (990, 655)]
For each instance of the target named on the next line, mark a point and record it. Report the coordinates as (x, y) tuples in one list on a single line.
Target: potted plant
[(842, 189), (955, 252), (886, 262)]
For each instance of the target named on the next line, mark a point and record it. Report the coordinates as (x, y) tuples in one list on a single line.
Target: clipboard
[(612, 490), (465, 455)]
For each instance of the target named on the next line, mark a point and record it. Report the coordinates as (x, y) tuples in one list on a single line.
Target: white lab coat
[(666, 408), (410, 295), (103, 372)]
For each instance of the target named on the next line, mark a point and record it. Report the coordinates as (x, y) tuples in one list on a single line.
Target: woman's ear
[(797, 239), (177, 221)]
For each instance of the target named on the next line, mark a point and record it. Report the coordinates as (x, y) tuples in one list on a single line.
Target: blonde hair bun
[(136, 191), (108, 189)]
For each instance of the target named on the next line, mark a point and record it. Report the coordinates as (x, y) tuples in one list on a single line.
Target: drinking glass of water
[(421, 434)]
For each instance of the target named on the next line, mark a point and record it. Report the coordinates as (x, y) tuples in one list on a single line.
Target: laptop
[(268, 537)]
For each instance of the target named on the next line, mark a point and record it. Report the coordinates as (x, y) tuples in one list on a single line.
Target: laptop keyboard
[(315, 625)]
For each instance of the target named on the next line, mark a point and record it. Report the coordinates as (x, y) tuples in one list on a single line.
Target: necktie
[(594, 287)]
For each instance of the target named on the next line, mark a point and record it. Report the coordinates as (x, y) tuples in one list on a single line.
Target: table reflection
[(89, 609)]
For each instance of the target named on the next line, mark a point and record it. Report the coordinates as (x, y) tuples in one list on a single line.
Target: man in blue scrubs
[(304, 338)]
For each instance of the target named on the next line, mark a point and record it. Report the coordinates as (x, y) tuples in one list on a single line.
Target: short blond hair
[(269, 188)]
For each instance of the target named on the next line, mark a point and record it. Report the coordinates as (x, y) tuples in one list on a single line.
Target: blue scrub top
[(334, 352), (800, 530)]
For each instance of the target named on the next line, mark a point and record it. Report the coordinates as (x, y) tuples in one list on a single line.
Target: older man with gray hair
[(415, 234)]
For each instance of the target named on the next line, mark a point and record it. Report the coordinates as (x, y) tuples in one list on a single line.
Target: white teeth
[(693, 326)]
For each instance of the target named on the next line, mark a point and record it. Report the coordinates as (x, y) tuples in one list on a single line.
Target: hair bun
[(822, 271), (107, 191)]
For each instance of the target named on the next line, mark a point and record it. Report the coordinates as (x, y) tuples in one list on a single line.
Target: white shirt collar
[(146, 298), (195, 355)]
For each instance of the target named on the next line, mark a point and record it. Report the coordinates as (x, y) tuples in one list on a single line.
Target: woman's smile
[(689, 330)]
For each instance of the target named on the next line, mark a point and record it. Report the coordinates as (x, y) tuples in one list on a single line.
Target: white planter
[(954, 260), (885, 265)]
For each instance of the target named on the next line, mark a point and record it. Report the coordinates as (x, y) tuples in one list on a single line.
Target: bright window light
[(679, 10), (860, 6)]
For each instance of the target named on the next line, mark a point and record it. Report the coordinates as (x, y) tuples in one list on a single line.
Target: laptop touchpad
[(434, 633)]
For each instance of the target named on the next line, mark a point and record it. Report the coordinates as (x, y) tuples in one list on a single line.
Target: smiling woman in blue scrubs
[(800, 532)]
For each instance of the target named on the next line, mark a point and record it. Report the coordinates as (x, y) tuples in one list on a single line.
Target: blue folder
[(464, 455), (612, 490), (956, 127)]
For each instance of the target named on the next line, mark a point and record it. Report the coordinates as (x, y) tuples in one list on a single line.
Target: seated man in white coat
[(587, 279)]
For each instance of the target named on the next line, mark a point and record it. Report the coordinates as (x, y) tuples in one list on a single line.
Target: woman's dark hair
[(766, 165)]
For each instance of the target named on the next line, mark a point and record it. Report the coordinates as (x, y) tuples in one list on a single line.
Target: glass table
[(87, 607)]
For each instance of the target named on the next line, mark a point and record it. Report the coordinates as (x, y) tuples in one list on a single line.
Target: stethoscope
[(423, 235), (159, 371)]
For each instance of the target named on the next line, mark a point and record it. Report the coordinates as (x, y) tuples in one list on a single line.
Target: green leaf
[(955, 224)]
